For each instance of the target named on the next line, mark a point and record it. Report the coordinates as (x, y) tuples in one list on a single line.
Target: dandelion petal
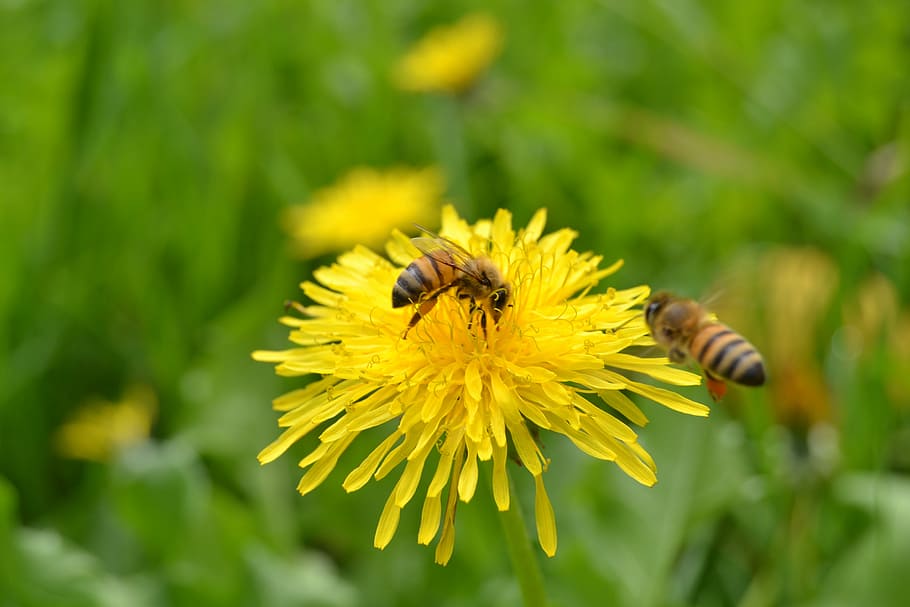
[(388, 523), (546, 519), (500, 478), (429, 519)]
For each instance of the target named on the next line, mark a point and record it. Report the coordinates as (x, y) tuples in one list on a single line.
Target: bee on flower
[(447, 266), (475, 377)]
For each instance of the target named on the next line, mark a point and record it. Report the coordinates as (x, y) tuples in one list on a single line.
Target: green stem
[(524, 563), (451, 149)]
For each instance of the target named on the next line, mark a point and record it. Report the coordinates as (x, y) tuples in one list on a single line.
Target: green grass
[(147, 149)]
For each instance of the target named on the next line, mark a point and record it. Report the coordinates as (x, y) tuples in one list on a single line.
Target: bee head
[(484, 279), (655, 305)]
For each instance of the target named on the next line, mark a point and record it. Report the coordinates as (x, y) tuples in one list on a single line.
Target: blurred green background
[(756, 152)]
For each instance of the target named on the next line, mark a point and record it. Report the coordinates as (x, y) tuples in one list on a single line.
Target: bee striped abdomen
[(725, 353), (423, 275)]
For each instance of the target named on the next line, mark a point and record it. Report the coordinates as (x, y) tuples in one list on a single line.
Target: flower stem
[(524, 563), (452, 151)]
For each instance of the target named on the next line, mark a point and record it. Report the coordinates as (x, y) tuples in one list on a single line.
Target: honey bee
[(684, 329), (444, 266)]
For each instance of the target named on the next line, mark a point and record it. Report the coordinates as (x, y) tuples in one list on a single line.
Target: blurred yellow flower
[(790, 289), (99, 429), (363, 207), (797, 285), (873, 311), (874, 324), (898, 382), (449, 59), (556, 360)]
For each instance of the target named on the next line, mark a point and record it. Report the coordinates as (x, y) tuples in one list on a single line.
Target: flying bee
[(444, 266), (685, 330)]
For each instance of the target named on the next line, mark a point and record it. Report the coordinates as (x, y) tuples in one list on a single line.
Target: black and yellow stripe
[(726, 354), (422, 277)]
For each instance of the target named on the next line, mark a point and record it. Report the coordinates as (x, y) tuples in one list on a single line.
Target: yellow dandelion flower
[(457, 394), (449, 59), (100, 429), (362, 208)]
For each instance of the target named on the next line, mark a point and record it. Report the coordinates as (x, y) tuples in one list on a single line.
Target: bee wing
[(433, 242), (455, 255)]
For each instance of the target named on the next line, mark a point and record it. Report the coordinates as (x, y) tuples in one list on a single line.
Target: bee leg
[(422, 309), (483, 316), (677, 355), (471, 309)]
